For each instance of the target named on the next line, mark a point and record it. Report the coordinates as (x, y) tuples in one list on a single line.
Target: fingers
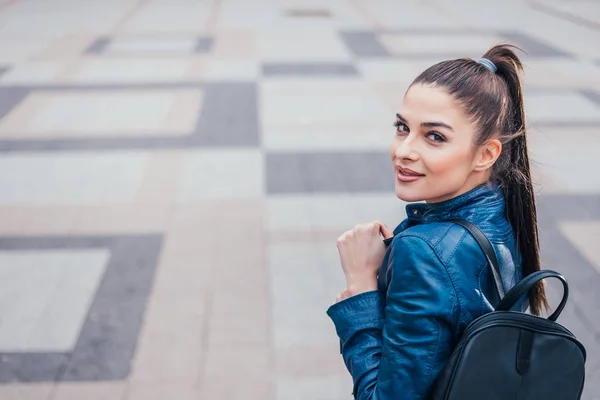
[(380, 227), (386, 232), (375, 227)]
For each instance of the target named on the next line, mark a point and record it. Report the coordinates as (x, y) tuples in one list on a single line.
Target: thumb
[(385, 231)]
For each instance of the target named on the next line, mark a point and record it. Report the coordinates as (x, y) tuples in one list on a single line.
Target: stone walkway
[(174, 174)]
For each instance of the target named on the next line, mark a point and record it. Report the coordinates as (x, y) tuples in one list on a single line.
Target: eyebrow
[(428, 124)]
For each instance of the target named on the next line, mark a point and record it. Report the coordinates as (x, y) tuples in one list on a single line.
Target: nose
[(407, 148)]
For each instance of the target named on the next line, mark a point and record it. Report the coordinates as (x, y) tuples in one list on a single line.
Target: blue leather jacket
[(434, 280)]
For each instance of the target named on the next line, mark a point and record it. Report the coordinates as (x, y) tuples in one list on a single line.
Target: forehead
[(431, 103)]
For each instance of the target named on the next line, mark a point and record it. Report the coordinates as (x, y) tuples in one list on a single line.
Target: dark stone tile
[(109, 334), (31, 367), (307, 69), (308, 13), (99, 46), (364, 44), (10, 97), (591, 95), (229, 118), (203, 45), (591, 389), (571, 207), (328, 172), (3, 70), (558, 254), (532, 46)]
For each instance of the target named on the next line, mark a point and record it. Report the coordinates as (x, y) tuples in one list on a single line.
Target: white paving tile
[(584, 236), (177, 16), (565, 160), (32, 73), (70, 178), (106, 113), (302, 46), (289, 212), (325, 137), (305, 279), (392, 70), (285, 104), (564, 107), (144, 45), (323, 388), (131, 71), (226, 174), (45, 296), (231, 70), (469, 45)]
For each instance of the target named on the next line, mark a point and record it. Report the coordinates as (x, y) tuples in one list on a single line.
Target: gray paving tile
[(107, 340), (328, 172), (309, 69), (229, 118), (98, 46), (364, 44), (567, 207), (203, 45), (109, 335), (591, 389), (532, 46), (31, 367), (103, 45), (591, 95), (559, 254), (10, 97)]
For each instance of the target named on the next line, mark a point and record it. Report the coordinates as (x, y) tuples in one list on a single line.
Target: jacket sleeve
[(396, 351)]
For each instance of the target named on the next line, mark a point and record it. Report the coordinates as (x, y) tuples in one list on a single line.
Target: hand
[(361, 251)]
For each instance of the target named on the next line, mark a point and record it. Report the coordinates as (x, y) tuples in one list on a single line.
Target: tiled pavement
[(173, 175)]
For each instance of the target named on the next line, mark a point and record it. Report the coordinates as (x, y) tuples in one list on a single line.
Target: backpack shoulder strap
[(488, 250)]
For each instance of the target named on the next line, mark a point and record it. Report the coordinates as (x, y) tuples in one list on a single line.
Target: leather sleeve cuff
[(362, 311)]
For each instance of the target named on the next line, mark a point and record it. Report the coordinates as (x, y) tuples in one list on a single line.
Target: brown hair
[(494, 101)]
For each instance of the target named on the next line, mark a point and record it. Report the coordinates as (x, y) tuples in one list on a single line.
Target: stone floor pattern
[(174, 174)]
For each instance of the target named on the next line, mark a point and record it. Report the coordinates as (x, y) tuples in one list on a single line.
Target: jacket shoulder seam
[(434, 250)]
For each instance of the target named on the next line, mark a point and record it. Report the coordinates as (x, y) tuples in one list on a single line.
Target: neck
[(475, 179)]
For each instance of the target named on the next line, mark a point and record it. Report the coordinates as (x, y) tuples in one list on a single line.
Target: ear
[(487, 155)]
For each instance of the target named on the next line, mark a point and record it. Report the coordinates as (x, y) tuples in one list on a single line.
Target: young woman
[(460, 146)]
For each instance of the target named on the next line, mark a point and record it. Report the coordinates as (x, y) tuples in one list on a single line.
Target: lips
[(407, 175)]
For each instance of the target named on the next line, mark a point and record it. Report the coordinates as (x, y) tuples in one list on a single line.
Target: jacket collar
[(486, 199)]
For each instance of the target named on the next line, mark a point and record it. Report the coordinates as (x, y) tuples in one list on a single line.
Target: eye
[(436, 137), (401, 126)]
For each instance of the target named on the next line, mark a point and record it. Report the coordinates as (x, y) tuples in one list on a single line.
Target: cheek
[(448, 161)]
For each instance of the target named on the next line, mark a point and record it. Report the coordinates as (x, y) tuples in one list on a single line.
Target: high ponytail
[(491, 94), (514, 172)]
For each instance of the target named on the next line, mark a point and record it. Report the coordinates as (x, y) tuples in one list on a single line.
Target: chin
[(409, 195)]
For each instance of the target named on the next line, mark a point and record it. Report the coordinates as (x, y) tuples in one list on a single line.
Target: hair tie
[(488, 64)]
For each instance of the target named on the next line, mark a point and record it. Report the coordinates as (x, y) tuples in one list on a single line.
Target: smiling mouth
[(408, 172), (407, 175)]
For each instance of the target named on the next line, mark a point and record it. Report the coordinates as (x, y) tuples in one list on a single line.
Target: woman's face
[(433, 151)]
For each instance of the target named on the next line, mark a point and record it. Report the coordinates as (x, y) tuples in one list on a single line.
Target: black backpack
[(505, 355)]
